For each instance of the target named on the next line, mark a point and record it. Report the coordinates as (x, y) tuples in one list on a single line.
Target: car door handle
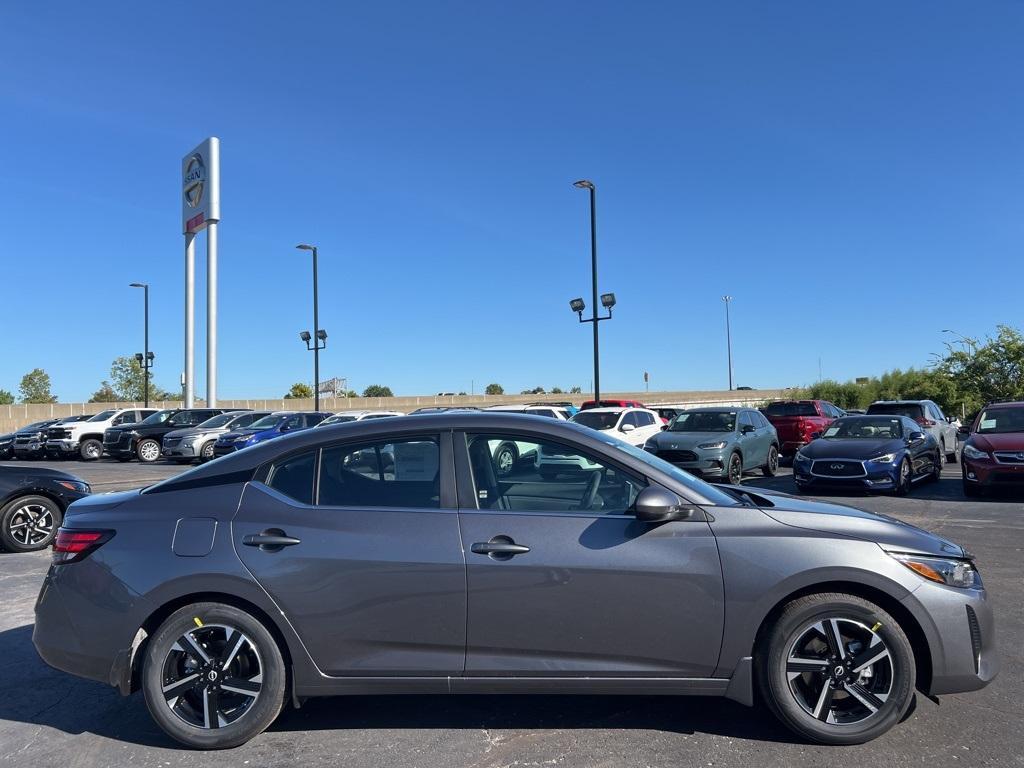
[(499, 548), (271, 540)]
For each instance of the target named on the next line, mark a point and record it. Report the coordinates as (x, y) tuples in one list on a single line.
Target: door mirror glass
[(916, 437), (659, 505), (747, 429), (627, 428)]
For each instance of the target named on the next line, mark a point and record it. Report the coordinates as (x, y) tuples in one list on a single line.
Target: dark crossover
[(487, 552)]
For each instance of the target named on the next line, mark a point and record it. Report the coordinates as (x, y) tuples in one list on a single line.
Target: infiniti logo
[(836, 466)]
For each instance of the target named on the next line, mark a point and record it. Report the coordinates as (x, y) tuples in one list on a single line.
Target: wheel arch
[(132, 681), (892, 605)]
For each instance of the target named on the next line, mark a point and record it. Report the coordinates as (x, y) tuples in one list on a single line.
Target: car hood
[(1007, 441), (854, 448), (889, 533), (37, 473), (684, 440), (191, 431), (245, 433)]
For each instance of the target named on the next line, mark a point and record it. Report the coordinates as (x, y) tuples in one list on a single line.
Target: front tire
[(936, 474), (29, 523), (206, 452), (734, 472), (505, 459), (836, 669), (213, 676), (771, 466), (90, 449), (148, 451), (903, 478)]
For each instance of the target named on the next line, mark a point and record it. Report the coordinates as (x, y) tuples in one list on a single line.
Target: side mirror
[(659, 505), (747, 429), (915, 437), (965, 429), (664, 427), (815, 435), (627, 427)]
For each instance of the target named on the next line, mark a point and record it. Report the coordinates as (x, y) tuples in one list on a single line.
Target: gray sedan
[(310, 565), (719, 443)]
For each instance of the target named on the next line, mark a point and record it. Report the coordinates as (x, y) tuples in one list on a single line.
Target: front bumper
[(222, 449), (61, 446), (992, 474), (181, 450), (960, 629), (26, 450)]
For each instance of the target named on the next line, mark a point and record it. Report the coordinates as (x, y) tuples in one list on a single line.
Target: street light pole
[(146, 360), (728, 337), (318, 334)]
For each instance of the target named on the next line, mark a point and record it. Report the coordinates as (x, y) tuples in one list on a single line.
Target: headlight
[(973, 453), (885, 458), (954, 573), (712, 446), (243, 438), (801, 457), (73, 485)]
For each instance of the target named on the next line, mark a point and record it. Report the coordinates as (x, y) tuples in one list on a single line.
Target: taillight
[(924, 422), (72, 544)]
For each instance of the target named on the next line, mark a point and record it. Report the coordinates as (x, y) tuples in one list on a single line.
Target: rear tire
[(257, 666), (505, 459), (951, 458), (90, 449), (771, 467), (829, 713), (936, 474), (29, 523)]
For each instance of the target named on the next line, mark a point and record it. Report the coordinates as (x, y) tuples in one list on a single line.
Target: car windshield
[(597, 420), (220, 420), (790, 409), (911, 410), (266, 422), (338, 419), (996, 420), (102, 415), (865, 428), (713, 495), (704, 421), (157, 418)]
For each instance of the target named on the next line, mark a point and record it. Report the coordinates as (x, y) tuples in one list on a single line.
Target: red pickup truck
[(797, 420)]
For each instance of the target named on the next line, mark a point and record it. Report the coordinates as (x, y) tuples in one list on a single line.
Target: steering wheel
[(590, 494)]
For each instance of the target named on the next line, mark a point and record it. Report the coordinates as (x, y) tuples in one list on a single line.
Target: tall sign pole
[(200, 209)]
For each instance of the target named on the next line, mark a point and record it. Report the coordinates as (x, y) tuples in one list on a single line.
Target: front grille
[(975, 627), (838, 468), (58, 433), (170, 442), (1010, 457), (677, 456)]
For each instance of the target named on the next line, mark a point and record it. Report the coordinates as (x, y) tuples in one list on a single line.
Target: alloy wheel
[(212, 676), (31, 524), (93, 450), (735, 469), (505, 461), (773, 460), (840, 671), (207, 451), (149, 451)]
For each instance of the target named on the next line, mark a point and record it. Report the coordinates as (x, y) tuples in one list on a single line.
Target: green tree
[(494, 389), (534, 391), (105, 394), (350, 393), (994, 372), (575, 391), (6, 398), (377, 390), (35, 387), (299, 391), (557, 391)]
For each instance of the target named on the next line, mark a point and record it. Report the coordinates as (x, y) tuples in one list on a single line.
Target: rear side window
[(790, 409), (294, 477), (910, 410), (399, 473)]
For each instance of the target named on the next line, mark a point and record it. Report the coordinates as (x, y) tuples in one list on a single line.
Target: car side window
[(745, 420), (396, 473), (645, 419), (293, 477), (292, 422), (125, 418), (630, 418), (547, 477)]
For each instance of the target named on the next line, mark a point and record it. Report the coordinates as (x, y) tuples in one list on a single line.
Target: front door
[(564, 581), (374, 581)]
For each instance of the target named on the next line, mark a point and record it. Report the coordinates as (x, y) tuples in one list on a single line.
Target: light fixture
[(607, 300), (321, 334), (304, 335), (139, 356), (305, 247), (583, 184), (577, 305)]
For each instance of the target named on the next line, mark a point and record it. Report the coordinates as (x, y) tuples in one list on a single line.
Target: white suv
[(630, 425), (346, 416), (86, 437)]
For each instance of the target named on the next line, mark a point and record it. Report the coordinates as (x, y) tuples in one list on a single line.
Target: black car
[(142, 440), (32, 505), (6, 446), (30, 441)]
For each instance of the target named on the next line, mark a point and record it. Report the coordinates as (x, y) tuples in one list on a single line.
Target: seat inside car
[(488, 492)]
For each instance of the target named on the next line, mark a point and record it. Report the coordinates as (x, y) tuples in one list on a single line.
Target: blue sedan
[(267, 428), (869, 453)]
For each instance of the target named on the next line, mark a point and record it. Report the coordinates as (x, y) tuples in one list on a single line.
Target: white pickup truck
[(86, 437)]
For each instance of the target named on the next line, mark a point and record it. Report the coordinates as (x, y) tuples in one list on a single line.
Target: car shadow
[(33, 693)]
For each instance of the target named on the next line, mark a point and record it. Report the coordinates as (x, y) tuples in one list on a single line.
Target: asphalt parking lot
[(49, 718)]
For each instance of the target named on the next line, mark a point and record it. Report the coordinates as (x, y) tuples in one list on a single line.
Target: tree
[(350, 393), (105, 394), (575, 391), (557, 391), (6, 398), (994, 372), (377, 390), (494, 389), (299, 391), (534, 391), (35, 387)]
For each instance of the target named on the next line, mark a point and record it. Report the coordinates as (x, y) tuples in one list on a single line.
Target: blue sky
[(846, 171)]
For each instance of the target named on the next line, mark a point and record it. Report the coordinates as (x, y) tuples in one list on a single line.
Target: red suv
[(797, 420), (994, 453), (611, 404)]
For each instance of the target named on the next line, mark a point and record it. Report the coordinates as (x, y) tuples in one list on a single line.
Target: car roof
[(614, 409), (718, 409), (900, 402)]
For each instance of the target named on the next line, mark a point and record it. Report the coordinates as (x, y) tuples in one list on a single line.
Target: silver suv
[(185, 445), (931, 418)]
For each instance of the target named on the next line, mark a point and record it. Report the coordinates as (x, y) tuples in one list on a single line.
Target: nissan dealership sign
[(200, 186)]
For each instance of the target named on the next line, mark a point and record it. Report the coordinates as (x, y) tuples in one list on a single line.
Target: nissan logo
[(195, 180), (836, 466)]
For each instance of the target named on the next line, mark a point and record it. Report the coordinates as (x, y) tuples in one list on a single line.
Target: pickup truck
[(30, 441), (86, 437), (797, 421)]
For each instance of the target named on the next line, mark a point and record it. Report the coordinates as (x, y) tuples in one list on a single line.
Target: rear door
[(564, 581), (375, 579)]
